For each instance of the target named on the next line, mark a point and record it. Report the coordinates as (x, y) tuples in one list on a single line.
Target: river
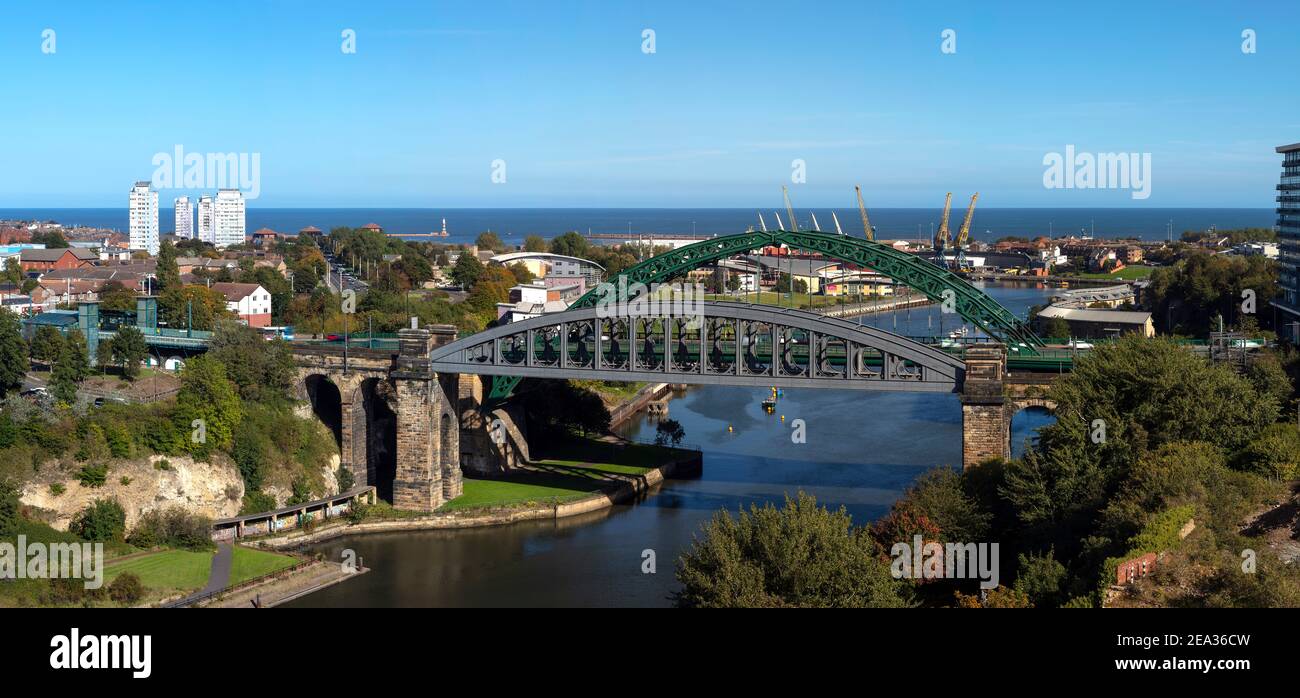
[(862, 450)]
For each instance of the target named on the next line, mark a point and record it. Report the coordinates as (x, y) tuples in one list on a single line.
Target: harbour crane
[(866, 224), (838, 229), (964, 234), (816, 226), (942, 237), (761, 223), (789, 209)]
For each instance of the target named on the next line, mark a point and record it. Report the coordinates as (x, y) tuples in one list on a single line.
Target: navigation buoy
[(729, 429)]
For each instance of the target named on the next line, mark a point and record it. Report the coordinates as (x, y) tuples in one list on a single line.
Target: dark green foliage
[(206, 395), (93, 475), (669, 431), (9, 508), (47, 344), (256, 503), (345, 479), (174, 528), (801, 555), (584, 412), (1186, 298), (261, 370), (128, 351), (13, 354), (103, 521), (467, 270), (1040, 578)]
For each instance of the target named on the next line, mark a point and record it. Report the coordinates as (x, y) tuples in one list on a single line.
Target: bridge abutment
[(985, 420), (428, 467)]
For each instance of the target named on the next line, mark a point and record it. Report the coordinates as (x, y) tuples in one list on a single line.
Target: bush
[(93, 475), (1274, 454), (801, 555), (57, 489), (127, 589), (173, 527), (104, 521), (9, 507), (256, 502), (345, 479)]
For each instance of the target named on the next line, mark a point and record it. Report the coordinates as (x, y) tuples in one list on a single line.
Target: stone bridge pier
[(394, 419), (990, 398)]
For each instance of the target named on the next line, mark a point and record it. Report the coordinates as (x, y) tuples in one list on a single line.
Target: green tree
[(669, 431), (571, 243), (47, 345), (72, 367), (104, 521), (13, 271), (467, 270), (129, 350), (261, 370), (801, 555), (1056, 327), (169, 275), (489, 241), (534, 243), (13, 353), (9, 508), (208, 398), (1041, 579), (1275, 453), (116, 297)]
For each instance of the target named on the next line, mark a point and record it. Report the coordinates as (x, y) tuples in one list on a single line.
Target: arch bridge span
[(723, 343)]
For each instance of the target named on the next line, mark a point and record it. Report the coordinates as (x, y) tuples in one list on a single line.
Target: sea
[(512, 224)]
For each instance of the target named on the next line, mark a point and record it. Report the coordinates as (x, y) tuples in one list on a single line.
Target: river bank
[(617, 489)]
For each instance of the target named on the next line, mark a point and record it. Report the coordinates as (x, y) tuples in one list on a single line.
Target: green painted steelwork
[(936, 283)]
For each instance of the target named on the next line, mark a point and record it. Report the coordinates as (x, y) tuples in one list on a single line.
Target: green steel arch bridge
[(934, 282)]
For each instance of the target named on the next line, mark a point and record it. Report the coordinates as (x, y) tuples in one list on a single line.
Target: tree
[(1275, 453), (13, 271), (9, 508), (13, 354), (129, 351), (521, 272), (467, 270), (571, 244), (669, 431), (169, 275), (1056, 327), (489, 241), (202, 306), (71, 368), (261, 370), (416, 269), (801, 555), (47, 345), (534, 243), (104, 521), (208, 397), (1041, 579), (116, 297)]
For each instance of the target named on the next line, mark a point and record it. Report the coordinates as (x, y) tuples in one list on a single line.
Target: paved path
[(300, 583), (219, 576)]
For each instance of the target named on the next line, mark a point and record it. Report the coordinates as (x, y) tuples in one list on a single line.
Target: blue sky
[(562, 92)]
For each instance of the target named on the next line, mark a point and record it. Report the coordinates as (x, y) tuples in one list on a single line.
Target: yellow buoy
[(729, 429)]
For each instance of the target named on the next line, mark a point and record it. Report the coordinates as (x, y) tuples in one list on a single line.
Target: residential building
[(536, 299), (545, 265), (1288, 232), (250, 302), (228, 218), (144, 218), (184, 218), (207, 219), (43, 260)]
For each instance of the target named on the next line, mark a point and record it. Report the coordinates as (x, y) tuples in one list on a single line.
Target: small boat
[(769, 405)]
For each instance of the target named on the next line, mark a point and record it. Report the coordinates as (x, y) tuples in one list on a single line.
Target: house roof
[(511, 257), (1123, 317), (54, 254), (235, 292)]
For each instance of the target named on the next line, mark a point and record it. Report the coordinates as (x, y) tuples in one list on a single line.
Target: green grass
[(580, 469), (168, 570), (1130, 273), (249, 563)]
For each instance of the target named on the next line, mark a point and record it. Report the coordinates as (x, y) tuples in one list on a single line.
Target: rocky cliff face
[(210, 489)]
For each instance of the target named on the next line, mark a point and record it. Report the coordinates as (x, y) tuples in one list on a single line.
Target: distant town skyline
[(518, 105)]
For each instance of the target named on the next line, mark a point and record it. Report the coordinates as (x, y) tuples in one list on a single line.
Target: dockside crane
[(964, 234), (816, 226), (942, 237), (761, 223), (838, 229), (789, 209), (866, 224)]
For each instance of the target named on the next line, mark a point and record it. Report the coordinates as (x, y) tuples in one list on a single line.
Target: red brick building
[(57, 258)]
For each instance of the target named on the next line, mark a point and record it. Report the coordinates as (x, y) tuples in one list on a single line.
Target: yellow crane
[(866, 224), (789, 209), (942, 236), (964, 234)]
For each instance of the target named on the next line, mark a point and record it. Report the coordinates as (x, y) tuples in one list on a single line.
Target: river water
[(862, 450)]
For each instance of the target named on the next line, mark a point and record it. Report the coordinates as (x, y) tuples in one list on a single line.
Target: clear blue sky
[(563, 93)]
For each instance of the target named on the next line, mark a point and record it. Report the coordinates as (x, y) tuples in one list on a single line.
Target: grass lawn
[(1131, 273), (167, 570), (249, 563), (578, 470)]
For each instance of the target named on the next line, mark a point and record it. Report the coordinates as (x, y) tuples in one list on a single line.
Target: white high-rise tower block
[(144, 218), (184, 217)]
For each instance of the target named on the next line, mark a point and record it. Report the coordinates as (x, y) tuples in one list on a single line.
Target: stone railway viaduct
[(411, 432)]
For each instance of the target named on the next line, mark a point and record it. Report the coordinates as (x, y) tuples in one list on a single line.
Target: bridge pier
[(985, 417), (428, 439)]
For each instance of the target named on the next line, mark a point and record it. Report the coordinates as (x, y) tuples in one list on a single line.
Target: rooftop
[(1288, 148), (1126, 317)]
